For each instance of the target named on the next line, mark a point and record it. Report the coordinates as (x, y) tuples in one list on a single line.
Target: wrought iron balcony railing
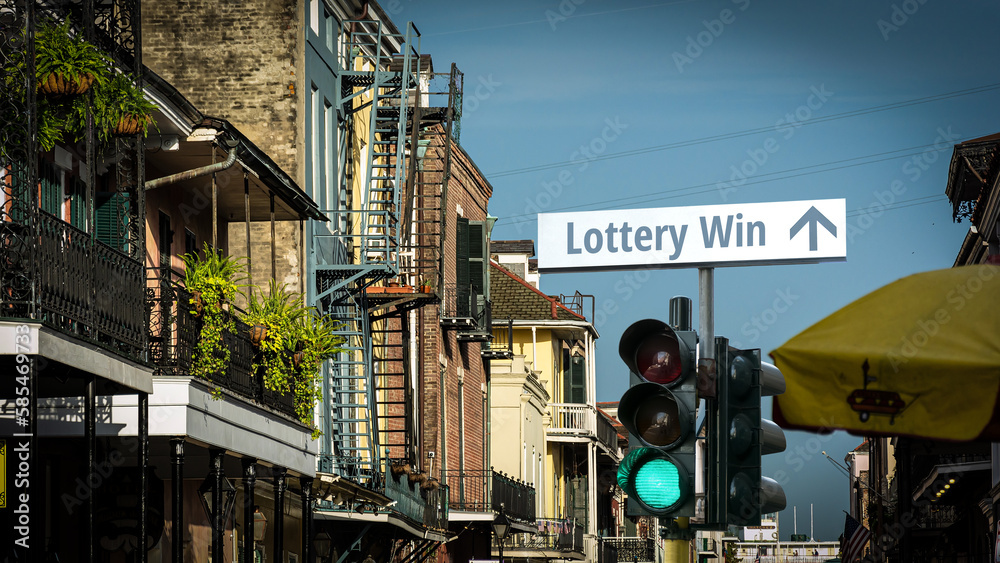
[(83, 287), (553, 535), (518, 497), (467, 310), (606, 433), (419, 500), (173, 334), (470, 490), (632, 549)]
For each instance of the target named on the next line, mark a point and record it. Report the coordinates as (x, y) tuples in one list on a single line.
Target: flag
[(855, 538), (757, 559)]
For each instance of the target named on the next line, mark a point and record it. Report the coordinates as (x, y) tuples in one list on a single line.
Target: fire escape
[(386, 241)]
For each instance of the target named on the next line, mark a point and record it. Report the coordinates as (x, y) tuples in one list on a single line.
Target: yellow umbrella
[(919, 357)]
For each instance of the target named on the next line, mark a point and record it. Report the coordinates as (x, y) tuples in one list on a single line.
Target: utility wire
[(747, 132), (758, 179)]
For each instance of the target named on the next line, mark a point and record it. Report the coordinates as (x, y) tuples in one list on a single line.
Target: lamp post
[(501, 526), (217, 497), (321, 544)]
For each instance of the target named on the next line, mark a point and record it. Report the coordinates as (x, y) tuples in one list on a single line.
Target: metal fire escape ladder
[(363, 247)]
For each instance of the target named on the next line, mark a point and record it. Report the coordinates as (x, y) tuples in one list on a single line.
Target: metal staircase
[(393, 391), (363, 245)]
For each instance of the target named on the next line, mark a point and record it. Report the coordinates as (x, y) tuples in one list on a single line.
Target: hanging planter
[(197, 303), (258, 333), (131, 125), (58, 85)]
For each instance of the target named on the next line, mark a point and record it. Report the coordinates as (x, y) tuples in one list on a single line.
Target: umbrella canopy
[(919, 357)]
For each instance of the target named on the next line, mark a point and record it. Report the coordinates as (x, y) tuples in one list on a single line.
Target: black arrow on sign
[(813, 217)]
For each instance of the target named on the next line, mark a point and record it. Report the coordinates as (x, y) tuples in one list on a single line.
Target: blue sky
[(600, 104)]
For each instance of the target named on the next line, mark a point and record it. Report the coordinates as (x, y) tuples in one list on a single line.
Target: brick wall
[(470, 193), (237, 60)]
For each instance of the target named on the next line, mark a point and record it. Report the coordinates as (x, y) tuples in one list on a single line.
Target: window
[(471, 274), (574, 378), (190, 242), (50, 179), (111, 220)]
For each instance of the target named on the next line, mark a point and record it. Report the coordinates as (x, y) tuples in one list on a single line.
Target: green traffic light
[(658, 484)]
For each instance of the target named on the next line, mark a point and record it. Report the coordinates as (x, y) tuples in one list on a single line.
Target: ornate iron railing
[(423, 501), (467, 309), (632, 549), (558, 535), (469, 490), (518, 497), (173, 334), (88, 289)]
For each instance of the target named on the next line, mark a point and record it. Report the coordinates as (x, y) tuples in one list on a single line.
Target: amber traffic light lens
[(658, 359), (658, 421)]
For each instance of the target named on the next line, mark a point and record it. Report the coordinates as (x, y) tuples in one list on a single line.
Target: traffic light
[(659, 411), (738, 494)]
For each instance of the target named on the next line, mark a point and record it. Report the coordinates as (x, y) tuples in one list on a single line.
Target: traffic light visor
[(652, 350), (654, 415)]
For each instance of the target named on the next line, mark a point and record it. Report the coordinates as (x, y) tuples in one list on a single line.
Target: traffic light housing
[(659, 411), (737, 493)]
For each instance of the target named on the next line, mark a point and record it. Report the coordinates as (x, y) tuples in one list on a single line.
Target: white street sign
[(784, 232)]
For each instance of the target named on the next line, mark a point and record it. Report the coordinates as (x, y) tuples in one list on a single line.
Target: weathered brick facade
[(235, 60)]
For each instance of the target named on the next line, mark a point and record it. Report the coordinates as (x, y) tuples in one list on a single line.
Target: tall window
[(471, 274), (574, 378)]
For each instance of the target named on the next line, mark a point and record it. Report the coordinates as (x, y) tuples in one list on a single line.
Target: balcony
[(485, 490), (577, 421), (421, 502), (555, 539), (518, 498), (469, 312), (82, 287), (631, 549), (173, 333)]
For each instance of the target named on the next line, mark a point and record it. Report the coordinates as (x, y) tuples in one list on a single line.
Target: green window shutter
[(111, 220), (462, 274), (478, 255), (48, 177), (78, 205)]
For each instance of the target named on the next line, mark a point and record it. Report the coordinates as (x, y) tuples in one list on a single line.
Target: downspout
[(232, 144)]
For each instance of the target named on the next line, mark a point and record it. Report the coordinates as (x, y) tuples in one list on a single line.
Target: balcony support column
[(249, 499), (307, 518), (90, 430), (177, 500), (280, 484), (143, 476)]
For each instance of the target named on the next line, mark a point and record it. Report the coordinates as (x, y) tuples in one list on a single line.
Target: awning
[(918, 357)]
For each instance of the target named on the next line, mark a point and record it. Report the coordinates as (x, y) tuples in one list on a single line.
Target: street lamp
[(259, 524), (322, 543), (501, 527)]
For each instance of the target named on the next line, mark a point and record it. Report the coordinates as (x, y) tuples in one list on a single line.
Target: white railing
[(573, 418)]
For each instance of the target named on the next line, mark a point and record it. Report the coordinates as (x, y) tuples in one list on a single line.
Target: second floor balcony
[(573, 421), (468, 311), (173, 335), (485, 490)]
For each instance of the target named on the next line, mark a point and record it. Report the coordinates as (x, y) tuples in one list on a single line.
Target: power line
[(759, 179), (747, 132)]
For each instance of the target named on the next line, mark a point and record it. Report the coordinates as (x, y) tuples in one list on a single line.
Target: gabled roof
[(514, 298), (513, 247)]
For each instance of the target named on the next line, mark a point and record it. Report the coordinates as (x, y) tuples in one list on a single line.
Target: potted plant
[(121, 107), (426, 286), (65, 64), (213, 279)]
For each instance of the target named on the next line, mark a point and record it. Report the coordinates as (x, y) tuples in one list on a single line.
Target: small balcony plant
[(213, 279), (294, 340)]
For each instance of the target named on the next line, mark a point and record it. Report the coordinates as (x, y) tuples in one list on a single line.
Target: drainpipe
[(231, 144)]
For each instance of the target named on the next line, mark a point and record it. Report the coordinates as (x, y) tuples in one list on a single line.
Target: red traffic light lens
[(658, 420), (658, 358)]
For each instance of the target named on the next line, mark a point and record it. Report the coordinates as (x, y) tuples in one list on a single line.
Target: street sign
[(785, 232)]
